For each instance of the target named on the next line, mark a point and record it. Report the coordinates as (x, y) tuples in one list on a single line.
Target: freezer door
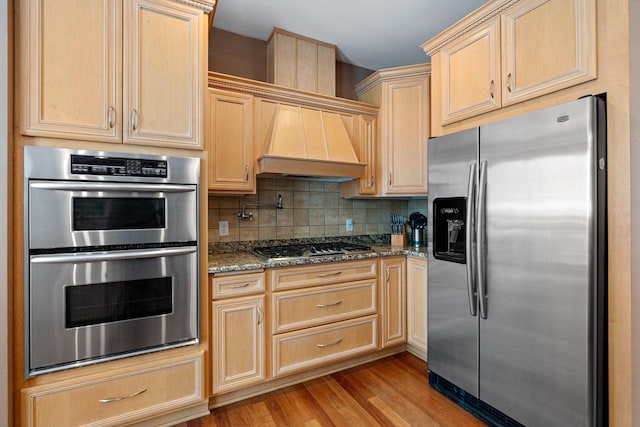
[(452, 329), (536, 358)]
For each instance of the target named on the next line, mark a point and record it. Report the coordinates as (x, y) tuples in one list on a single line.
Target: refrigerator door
[(536, 357), (452, 329)]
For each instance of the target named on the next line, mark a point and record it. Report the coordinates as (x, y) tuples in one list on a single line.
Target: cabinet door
[(70, 71), (393, 301), (547, 45), (470, 72), (164, 73), (238, 343), (367, 152), (417, 304), (406, 110), (230, 142)]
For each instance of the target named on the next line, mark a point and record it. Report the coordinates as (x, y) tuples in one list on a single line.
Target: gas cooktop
[(287, 252)]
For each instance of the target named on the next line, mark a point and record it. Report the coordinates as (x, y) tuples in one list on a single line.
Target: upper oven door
[(67, 214)]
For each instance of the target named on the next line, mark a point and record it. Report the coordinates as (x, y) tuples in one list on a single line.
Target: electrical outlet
[(349, 224), (223, 228)]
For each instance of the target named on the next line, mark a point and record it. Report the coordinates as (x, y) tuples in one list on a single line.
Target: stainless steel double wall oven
[(111, 255)]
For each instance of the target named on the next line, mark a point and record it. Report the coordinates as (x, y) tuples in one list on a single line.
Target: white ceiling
[(369, 33)]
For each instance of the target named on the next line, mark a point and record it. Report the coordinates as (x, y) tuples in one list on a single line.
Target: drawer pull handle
[(117, 399), (329, 305), (337, 273), (239, 286), (259, 313), (330, 344)]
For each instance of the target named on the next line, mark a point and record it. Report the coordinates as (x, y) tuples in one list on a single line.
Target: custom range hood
[(308, 142)]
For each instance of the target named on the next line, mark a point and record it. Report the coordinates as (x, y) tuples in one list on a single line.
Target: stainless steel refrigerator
[(517, 267)]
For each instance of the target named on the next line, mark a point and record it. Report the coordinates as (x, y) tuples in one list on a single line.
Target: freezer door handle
[(469, 249), (480, 236)]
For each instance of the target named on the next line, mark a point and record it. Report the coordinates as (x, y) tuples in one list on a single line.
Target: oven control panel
[(118, 166)]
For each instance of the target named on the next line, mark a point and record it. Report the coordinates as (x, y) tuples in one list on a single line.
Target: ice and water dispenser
[(449, 229)]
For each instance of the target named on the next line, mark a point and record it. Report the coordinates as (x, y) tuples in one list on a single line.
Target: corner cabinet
[(229, 137), (393, 300), (509, 51), (398, 165), (129, 72)]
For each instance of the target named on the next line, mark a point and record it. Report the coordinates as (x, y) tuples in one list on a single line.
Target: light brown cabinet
[(322, 314), (393, 300), (131, 72), (119, 397), (417, 306), (547, 45), (239, 332), (302, 63), (400, 157), (470, 72), (520, 52), (229, 136)]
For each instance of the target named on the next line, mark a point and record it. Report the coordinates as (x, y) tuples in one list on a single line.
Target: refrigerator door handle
[(469, 247), (480, 236)]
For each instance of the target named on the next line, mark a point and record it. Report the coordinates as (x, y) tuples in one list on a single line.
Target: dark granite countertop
[(242, 260)]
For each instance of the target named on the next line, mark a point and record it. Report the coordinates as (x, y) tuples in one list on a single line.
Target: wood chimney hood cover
[(309, 142)]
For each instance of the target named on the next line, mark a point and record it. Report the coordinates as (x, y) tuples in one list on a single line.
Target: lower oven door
[(99, 306)]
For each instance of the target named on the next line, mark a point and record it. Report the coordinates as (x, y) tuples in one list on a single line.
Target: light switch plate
[(223, 228), (349, 224)]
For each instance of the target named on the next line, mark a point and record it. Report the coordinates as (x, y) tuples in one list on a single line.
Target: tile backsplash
[(310, 209)]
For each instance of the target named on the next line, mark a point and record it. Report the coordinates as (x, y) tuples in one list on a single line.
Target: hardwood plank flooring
[(389, 392)]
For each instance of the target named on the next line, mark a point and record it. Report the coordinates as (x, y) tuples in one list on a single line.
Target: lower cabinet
[(119, 397), (393, 300), (417, 306), (238, 328), (322, 313)]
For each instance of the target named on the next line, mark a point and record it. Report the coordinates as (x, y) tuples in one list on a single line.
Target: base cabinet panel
[(295, 351), (393, 295), (417, 304), (239, 340), (118, 399)]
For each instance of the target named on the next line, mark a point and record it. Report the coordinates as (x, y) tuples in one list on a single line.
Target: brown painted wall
[(246, 57), (237, 55)]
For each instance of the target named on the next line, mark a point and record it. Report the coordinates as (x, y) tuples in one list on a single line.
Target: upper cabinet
[(470, 70), (302, 63), (400, 157), (509, 51), (229, 137), (129, 72)]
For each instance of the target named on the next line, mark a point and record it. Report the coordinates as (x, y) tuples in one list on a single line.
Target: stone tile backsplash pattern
[(310, 209)]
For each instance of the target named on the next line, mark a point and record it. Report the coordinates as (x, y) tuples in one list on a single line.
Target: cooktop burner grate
[(284, 252)]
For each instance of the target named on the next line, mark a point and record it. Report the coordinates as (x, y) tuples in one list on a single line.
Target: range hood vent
[(309, 142)]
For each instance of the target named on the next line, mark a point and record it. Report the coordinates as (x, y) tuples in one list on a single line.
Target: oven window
[(112, 213), (114, 301)]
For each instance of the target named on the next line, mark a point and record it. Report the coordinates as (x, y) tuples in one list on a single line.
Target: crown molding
[(285, 94), (204, 5), (467, 24), (391, 74)]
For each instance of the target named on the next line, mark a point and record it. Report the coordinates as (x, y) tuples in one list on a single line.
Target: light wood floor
[(393, 391)]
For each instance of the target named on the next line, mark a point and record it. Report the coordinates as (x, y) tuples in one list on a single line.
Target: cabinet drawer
[(321, 274), (295, 351), (236, 284), (315, 306), (117, 399)]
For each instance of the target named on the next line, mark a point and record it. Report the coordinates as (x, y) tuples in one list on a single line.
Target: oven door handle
[(107, 186), (110, 256)]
